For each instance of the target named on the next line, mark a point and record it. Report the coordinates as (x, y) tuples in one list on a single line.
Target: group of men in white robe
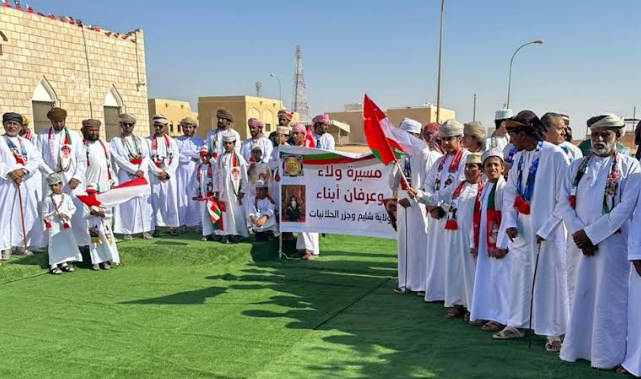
[(540, 241)]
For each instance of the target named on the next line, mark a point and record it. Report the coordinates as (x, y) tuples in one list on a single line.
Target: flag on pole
[(387, 142), (122, 193)]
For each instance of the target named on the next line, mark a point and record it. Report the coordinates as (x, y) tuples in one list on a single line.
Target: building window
[(112, 127), (40, 110), (268, 127)]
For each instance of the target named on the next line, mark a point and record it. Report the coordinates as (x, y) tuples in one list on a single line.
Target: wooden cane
[(536, 267), (24, 228)]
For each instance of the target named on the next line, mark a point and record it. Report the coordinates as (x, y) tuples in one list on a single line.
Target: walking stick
[(142, 219), (536, 267), (24, 229)]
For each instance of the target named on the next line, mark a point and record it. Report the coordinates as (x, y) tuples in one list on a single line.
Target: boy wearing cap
[(203, 191), (230, 173), (460, 203), (103, 249), (58, 209), (490, 305), (262, 216)]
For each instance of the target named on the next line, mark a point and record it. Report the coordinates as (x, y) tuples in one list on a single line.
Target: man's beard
[(92, 138), (10, 134)]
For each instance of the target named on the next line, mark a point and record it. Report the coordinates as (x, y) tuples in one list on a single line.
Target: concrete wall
[(52, 51), (174, 110)]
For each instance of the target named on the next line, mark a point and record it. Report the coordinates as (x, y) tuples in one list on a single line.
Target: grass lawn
[(182, 308)]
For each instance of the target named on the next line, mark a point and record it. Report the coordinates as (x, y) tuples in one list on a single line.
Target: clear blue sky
[(588, 64)]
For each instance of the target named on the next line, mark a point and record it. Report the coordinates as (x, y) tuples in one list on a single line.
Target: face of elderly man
[(556, 131), (603, 141), (12, 128)]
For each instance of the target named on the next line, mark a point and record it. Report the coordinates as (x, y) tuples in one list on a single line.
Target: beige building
[(353, 116), (91, 73), (174, 110), (243, 108)]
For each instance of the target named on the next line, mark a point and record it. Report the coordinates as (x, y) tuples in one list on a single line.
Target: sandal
[(454, 312), (55, 271), (492, 326), (621, 370), (420, 294), (67, 268), (401, 290), (466, 316), (508, 333), (553, 346)]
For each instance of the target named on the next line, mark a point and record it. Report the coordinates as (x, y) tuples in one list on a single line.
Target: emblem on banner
[(293, 165)]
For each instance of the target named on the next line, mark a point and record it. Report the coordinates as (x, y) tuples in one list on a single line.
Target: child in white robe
[(262, 216), (490, 302), (459, 203), (58, 208), (103, 249), (203, 191)]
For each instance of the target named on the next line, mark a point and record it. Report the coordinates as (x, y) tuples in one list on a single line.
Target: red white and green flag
[(387, 142), (133, 189), (215, 210)]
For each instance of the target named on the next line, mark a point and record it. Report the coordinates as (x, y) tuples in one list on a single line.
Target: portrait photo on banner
[(293, 203)]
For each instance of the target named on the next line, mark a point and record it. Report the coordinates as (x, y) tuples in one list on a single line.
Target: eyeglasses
[(604, 134), (127, 124), (159, 125)]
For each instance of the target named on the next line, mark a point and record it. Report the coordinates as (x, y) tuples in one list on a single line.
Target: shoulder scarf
[(524, 195), (210, 185), (64, 154), (611, 184), (19, 154), (452, 169), (104, 148), (451, 223)]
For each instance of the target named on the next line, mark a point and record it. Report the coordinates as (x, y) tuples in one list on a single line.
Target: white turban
[(493, 152), (229, 136), (503, 114), (607, 120), (411, 126), (450, 128)]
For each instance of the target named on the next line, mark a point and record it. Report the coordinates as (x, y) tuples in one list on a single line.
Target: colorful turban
[(203, 151), (323, 119), (475, 129), (284, 113), (25, 120), (411, 126), (92, 188), (126, 117), (189, 121), (473, 158), (300, 128), (450, 128), (433, 139), (91, 123), (57, 114), (256, 123), (54, 178), (12, 116), (225, 114)]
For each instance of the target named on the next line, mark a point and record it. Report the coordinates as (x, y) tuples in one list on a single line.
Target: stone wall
[(81, 69)]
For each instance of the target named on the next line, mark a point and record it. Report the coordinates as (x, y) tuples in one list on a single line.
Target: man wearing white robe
[(189, 145), (19, 161), (556, 135), (164, 158), (531, 195), (412, 222), (99, 170), (321, 136), (130, 155), (596, 210), (230, 173), (632, 362), (62, 151), (447, 171), (214, 140), (257, 138)]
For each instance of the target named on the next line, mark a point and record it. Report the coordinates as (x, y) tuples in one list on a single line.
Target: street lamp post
[(509, 78), (280, 92), (440, 55)]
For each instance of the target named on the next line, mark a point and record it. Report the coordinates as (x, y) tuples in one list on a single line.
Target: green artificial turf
[(182, 308)]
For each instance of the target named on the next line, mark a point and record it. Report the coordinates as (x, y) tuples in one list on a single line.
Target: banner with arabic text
[(334, 192)]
